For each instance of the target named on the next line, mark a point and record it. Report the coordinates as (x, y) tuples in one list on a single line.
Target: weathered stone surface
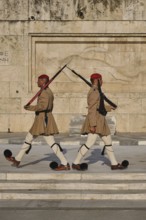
[(122, 123), (105, 36), (133, 9), (63, 121), (77, 121), (78, 105), (72, 10), (10, 105), (20, 122), (87, 10), (4, 89), (143, 105), (130, 105), (4, 122), (137, 122), (14, 10), (61, 105), (17, 89)]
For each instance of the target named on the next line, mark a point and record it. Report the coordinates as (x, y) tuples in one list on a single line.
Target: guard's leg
[(56, 148), (91, 139), (108, 149), (26, 147)]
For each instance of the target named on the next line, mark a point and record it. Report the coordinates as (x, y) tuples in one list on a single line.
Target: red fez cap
[(95, 76), (43, 76)]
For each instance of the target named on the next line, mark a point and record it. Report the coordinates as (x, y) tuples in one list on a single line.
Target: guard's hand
[(93, 130), (112, 108), (26, 107)]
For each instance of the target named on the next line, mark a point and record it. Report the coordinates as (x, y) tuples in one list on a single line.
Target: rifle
[(103, 97), (86, 81), (45, 86)]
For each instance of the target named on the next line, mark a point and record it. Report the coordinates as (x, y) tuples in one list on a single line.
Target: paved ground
[(122, 138), (126, 146), (68, 214), (41, 155)]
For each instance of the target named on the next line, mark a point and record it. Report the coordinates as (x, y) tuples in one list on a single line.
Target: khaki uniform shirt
[(94, 118), (44, 102)]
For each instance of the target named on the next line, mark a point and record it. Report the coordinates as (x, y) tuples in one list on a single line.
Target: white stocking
[(91, 139), (50, 140), (28, 140), (109, 150)]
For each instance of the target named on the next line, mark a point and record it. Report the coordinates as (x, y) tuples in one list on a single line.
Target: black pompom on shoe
[(84, 166), (53, 165), (7, 153), (125, 163)]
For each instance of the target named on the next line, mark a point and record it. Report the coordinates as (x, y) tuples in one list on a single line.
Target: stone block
[(51, 10), (11, 73), (71, 95), (4, 89), (137, 122), (69, 87), (144, 105), (78, 105), (61, 105), (119, 27), (122, 123), (17, 28), (116, 88), (78, 10), (4, 122), (111, 120), (17, 89), (76, 123), (21, 122), (10, 105), (14, 10), (63, 121), (133, 10), (127, 105)]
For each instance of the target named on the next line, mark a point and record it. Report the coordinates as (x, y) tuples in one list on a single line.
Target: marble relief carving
[(118, 62)]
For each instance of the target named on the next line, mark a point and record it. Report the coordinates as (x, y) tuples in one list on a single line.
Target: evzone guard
[(95, 125), (44, 124)]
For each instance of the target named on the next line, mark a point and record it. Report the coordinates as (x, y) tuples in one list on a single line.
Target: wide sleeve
[(42, 104), (93, 102)]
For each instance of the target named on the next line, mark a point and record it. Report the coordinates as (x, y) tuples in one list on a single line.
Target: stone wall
[(40, 36)]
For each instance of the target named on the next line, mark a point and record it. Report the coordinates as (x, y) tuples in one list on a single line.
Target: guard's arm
[(42, 103)]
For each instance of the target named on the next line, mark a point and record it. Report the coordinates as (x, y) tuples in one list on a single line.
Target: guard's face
[(41, 82), (95, 82)]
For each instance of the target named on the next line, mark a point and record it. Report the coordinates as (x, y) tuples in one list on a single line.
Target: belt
[(102, 112), (45, 111)]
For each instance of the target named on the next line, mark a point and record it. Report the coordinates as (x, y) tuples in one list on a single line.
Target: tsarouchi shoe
[(82, 166), (62, 167), (15, 163), (76, 166), (118, 167)]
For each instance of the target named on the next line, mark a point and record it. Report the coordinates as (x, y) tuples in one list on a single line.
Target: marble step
[(45, 195), (80, 186), (119, 176), (112, 186)]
